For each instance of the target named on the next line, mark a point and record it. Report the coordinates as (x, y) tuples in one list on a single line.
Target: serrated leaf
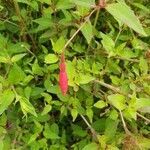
[(84, 79), (123, 13), (58, 45), (51, 58), (74, 114), (26, 106), (108, 44), (117, 100), (51, 132), (46, 110), (87, 31), (16, 75), (6, 99), (17, 57)]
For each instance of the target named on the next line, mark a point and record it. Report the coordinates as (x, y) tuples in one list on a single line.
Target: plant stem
[(124, 124), (23, 25), (90, 127), (87, 19), (115, 89), (118, 35), (146, 119)]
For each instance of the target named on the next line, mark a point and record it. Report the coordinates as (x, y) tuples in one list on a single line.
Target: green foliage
[(107, 54)]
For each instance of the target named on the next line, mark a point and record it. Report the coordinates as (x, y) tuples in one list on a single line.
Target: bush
[(74, 75)]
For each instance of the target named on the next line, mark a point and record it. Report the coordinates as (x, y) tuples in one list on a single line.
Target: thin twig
[(90, 127), (115, 89), (87, 19), (124, 124), (6, 20), (143, 117)]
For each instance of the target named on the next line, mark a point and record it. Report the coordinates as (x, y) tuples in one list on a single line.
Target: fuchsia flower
[(63, 79)]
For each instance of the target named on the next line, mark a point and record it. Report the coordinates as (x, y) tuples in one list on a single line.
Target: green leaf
[(4, 60), (33, 138), (84, 79), (123, 13), (58, 45), (89, 113), (78, 131), (17, 57), (36, 69), (138, 5), (74, 114), (91, 146), (51, 58), (6, 99), (46, 110), (84, 3), (117, 100), (16, 75), (26, 106), (108, 44), (143, 65), (51, 132), (87, 31), (111, 128), (143, 104), (100, 104), (64, 4)]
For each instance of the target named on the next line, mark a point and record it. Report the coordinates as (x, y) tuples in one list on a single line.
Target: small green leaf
[(17, 57), (64, 4), (16, 75), (26, 106), (108, 44), (84, 79), (117, 100), (36, 69), (89, 113), (143, 104), (46, 110), (123, 13), (100, 104), (143, 65), (33, 138), (6, 99), (74, 114), (51, 58), (91, 146), (51, 132), (87, 31), (84, 3), (58, 45), (111, 128)]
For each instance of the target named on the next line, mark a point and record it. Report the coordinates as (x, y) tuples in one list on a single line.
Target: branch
[(124, 124), (87, 19), (115, 89), (90, 127), (143, 117)]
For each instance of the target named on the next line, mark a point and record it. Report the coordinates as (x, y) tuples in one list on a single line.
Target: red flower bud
[(63, 79)]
